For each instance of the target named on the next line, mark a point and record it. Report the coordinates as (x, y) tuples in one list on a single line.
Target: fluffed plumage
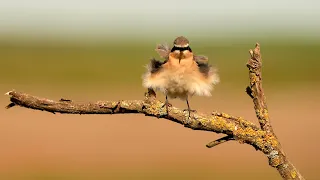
[(181, 74)]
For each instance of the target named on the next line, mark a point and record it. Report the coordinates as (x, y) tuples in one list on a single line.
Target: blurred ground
[(40, 145)]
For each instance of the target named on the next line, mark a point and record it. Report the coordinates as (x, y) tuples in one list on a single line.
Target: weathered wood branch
[(277, 157), (235, 128), (255, 90)]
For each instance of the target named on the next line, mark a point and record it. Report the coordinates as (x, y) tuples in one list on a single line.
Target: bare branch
[(219, 141), (277, 157), (255, 90), (218, 122), (235, 128)]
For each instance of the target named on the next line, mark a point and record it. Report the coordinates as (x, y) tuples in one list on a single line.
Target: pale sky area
[(139, 17)]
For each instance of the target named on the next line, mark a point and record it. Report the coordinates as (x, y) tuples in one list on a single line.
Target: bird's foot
[(188, 120), (166, 104), (189, 111)]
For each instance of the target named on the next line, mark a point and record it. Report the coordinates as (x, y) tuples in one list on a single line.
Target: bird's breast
[(176, 61), (178, 80), (182, 78)]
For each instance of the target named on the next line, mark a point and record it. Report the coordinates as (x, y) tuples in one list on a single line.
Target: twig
[(235, 128), (219, 141), (255, 90), (277, 157)]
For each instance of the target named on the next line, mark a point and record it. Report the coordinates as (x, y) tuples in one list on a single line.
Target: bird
[(182, 73)]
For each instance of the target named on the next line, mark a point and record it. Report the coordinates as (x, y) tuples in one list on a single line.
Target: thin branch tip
[(220, 141), (65, 100)]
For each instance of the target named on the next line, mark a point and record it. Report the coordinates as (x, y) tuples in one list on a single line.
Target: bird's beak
[(180, 57)]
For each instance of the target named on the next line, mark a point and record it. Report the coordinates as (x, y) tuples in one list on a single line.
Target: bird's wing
[(155, 65), (204, 68), (203, 63), (163, 50), (201, 59)]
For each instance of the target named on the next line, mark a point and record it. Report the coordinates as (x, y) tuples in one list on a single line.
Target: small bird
[(181, 74)]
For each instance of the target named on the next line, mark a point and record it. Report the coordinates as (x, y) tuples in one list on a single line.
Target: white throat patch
[(181, 46)]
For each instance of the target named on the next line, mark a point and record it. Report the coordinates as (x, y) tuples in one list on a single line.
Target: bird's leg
[(189, 110), (167, 104)]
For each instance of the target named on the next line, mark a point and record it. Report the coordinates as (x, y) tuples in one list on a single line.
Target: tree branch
[(255, 90), (235, 128), (277, 157), (218, 122)]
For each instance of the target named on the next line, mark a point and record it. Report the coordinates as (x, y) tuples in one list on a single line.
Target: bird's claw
[(188, 120), (166, 104)]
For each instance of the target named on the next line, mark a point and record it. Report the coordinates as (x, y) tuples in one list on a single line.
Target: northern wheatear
[(182, 74)]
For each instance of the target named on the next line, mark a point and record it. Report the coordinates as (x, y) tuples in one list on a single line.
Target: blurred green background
[(97, 50)]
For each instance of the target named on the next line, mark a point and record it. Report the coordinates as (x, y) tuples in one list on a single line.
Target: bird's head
[(181, 47)]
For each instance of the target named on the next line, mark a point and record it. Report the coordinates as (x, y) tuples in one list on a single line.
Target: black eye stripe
[(181, 48)]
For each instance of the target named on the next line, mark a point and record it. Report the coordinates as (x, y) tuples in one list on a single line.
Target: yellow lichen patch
[(270, 139), (158, 105), (293, 174), (259, 142), (220, 123), (253, 78), (155, 108), (107, 104), (274, 162), (241, 120), (160, 111), (255, 136), (225, 115), (230, 126), (245, 133), (202, 120), (249, 132), (261, 133), (265, 114), (258, 112), (174, 111), (123, 104)]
